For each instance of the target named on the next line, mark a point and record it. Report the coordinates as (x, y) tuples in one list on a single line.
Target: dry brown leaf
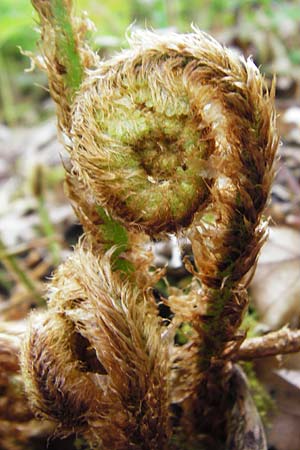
[(283, 432), (275, 287)]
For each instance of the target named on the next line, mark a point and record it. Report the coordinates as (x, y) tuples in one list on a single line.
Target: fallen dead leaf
[(275, 288), (283, 384)]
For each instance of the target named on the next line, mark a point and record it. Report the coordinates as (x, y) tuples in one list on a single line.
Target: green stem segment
[(223, 317), (66, 45), (115, 235), (61, 46)]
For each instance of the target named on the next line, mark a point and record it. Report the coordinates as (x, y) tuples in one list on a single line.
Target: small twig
[(275, 343)]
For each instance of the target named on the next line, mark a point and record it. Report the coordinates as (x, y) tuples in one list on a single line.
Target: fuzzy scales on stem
[(175, 134)]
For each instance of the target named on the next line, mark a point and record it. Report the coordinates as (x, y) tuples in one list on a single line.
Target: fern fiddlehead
[(175, 134)]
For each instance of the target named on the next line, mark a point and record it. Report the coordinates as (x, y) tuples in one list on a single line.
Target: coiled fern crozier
[(174, 135)]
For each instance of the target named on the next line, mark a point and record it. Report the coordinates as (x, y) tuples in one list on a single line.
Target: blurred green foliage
[(269, 29), (16, 26)]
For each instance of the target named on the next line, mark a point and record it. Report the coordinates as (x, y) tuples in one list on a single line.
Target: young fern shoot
[(175, 134)]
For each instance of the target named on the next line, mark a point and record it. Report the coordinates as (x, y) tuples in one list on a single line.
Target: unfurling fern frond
[(175, 134)]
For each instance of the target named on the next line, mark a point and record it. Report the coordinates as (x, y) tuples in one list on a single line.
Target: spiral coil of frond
[(158, 129), (95, 362)]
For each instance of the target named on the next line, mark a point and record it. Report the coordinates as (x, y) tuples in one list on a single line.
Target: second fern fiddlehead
[(95, 362)]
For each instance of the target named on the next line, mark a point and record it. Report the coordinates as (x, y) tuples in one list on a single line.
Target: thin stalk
[(13, 266), (47, 226), (48, 229), (6, 93)]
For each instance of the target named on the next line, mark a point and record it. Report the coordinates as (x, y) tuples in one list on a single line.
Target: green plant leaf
[(115, 235)]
